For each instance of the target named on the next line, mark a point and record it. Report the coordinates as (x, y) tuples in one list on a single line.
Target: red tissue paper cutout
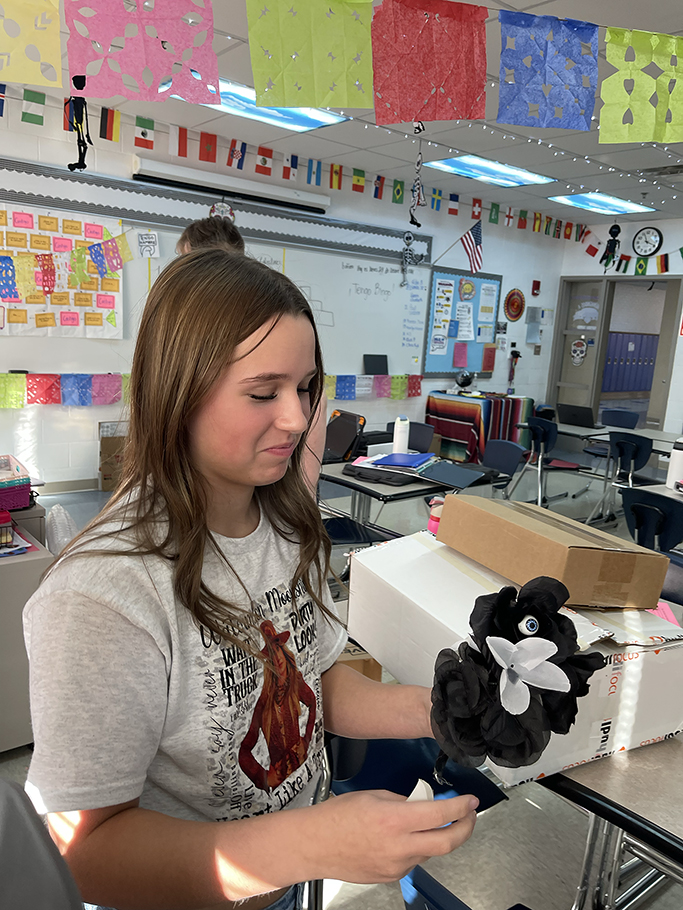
[(154, 48), (414, 386), (48, 273), (43, 388), (429, 61)]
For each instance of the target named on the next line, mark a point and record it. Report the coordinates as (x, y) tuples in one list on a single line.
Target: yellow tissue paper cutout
[(643, 100), (331, 387), (30, 49), (24, 271)]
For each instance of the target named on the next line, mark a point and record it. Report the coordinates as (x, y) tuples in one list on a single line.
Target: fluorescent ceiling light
[(240, 100), (488, 171), (602, 204)]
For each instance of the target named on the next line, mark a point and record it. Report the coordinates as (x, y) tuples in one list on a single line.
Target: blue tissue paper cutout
[(346, 388), (554, 64), (76, 389), (97, 256), (8, 283)]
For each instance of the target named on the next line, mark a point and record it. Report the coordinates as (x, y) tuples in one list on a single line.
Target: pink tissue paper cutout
[(112, 254), (429, 61), (158, 47), (381, 386), (106, 388)]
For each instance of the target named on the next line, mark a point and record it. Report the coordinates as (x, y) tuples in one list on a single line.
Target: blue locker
[(621, 349), (608, 372)]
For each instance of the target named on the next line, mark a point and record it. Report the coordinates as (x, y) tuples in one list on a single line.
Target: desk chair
[(504, 456), (656, 522), (628, 453), (419, 437), (421, 891), (613, 417), (543, 438)]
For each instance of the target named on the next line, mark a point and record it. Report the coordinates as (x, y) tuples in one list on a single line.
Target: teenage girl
[(183, 647)]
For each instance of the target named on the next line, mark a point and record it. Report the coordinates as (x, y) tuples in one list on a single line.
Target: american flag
[(471, 241)]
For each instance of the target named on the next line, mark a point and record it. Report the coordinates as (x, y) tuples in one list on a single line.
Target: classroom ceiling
[(575, 158)]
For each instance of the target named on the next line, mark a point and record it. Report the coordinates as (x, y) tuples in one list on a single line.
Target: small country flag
[(538, 218), (641, 265), (314, 172), (236, 154), (435, 199), (290, 167), (582, 232), (378, 187), (568, 230), (548, 224), (453, 201), (33, 108), (509, 216), (623, 262), (208, 146), (397, 194), (494, 214), (336, 176), (558, 229), (472, 242), (264, 161), (358, 182), (662, 263), (592, 250), (521, 221), (144, 133), (69, 125), (110, 124), (3, 90), (476, 208), (177, 141)]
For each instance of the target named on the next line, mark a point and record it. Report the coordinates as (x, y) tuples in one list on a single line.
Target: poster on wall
[(60, 274), (462, 315)]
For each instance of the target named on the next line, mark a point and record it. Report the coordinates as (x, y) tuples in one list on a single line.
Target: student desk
[(662, 442), (635, 801)]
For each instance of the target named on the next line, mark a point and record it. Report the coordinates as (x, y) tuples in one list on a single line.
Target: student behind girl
[(183, 648), (218, 230)]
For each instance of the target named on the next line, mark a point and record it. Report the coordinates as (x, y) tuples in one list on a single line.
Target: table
[(662, 442), (635, 799)]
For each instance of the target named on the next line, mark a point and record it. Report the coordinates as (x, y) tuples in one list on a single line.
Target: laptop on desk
[(577, 416)]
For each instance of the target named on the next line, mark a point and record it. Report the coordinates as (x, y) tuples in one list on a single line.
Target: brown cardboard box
[(360, 660), (522, 541), (111, 460)]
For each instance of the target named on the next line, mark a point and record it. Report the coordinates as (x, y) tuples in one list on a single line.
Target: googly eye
[(528, 626)]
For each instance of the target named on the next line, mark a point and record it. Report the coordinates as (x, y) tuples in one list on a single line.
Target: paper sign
[(111, 318), (484, 333), (460, 355), (105, 301), (35, 299), (45, 320), (82, 299), (93, 318), (110, 284), (48, 223), (487, 302), (22, 220), (488, 360), (16, 239), (81, 244), (62, 244), (15, 315), (463, 313), (93, 231), (3, 217), (68, 318), (70, 226), (91, 285), (91, 268), (60, 298), (148, 244), (39, 242)]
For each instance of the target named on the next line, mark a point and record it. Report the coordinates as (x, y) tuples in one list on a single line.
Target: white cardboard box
[(411, 597)]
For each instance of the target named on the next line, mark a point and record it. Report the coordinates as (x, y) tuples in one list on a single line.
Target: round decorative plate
[(514, 305), (467, 289)]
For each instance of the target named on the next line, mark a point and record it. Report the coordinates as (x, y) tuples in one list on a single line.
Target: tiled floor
[(528, 849)]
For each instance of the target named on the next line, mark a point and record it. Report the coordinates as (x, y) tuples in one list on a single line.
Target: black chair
[(421, 891), (656, 522), (504, 456), (629, 453), (543, 438), (420, 435), (611, 417)]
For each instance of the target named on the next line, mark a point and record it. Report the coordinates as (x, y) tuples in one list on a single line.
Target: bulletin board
[(60, 274), (460, 332)]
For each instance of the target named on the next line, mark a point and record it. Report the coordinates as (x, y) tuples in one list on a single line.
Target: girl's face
[(245, 433)]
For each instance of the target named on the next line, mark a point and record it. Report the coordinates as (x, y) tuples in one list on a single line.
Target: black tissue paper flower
[(516, 681)]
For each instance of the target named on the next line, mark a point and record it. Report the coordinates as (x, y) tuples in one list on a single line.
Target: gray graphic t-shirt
[(129, 697)]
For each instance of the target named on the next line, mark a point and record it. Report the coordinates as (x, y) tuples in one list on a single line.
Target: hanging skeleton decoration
[(76, 109), (417, 196), (418, 127), (611, 247), (408, 257)]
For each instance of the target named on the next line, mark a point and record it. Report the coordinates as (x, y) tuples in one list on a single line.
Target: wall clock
[(648, 241)]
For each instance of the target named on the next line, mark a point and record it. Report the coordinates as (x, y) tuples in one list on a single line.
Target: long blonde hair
[(200, 308)]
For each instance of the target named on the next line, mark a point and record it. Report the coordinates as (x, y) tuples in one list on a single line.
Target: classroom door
[(578, 364)]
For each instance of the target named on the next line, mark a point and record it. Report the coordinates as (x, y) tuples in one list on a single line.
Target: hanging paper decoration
[(641, 264), (76, 389), (548, 71), (31, 49), (161, 49), (558, 230), (662, 263), (330, 387), (77, 261), (568, 230), (521, 221), (8, 283), (476, 209), (622, 264), (548, 224), (399, 386), (12, 390), (417, 73), (382, 386), (414, 386), (43, 388), (345, 388), (397, 193), (76, 116), (417, 196), (106, 388), (46, 266), (537, 222), (494, 214), (643, 100), (124, 250), (364, 386), (125, 388), (311, 54), (97, 255), (453, 201), (25, 274), (436, 199), (509, 216)]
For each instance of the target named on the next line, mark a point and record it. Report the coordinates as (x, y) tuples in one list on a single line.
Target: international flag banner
[(558, 230), (236, 154), (264, 161), (548, 224), (177, 141), (3, 90), (314, 173), (69, 115), (453, 201), (208, 146), (521, 221), (494, 214), (290, 167), (33, 108), (358, 182), (622, 264), (436, 199), (592, 250), (144, 133), (538, 218), (641, 265), (378, 187), (476, 208), (582, 233), (568, 230), (336, 172), (110, 124), (509, 216), (397, 193), (472, 243), (662, 263)]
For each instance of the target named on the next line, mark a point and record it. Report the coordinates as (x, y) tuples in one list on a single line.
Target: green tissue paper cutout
[(399, 386), (12, 390)]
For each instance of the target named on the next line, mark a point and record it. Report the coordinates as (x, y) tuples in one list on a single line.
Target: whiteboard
[(358, 303)]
